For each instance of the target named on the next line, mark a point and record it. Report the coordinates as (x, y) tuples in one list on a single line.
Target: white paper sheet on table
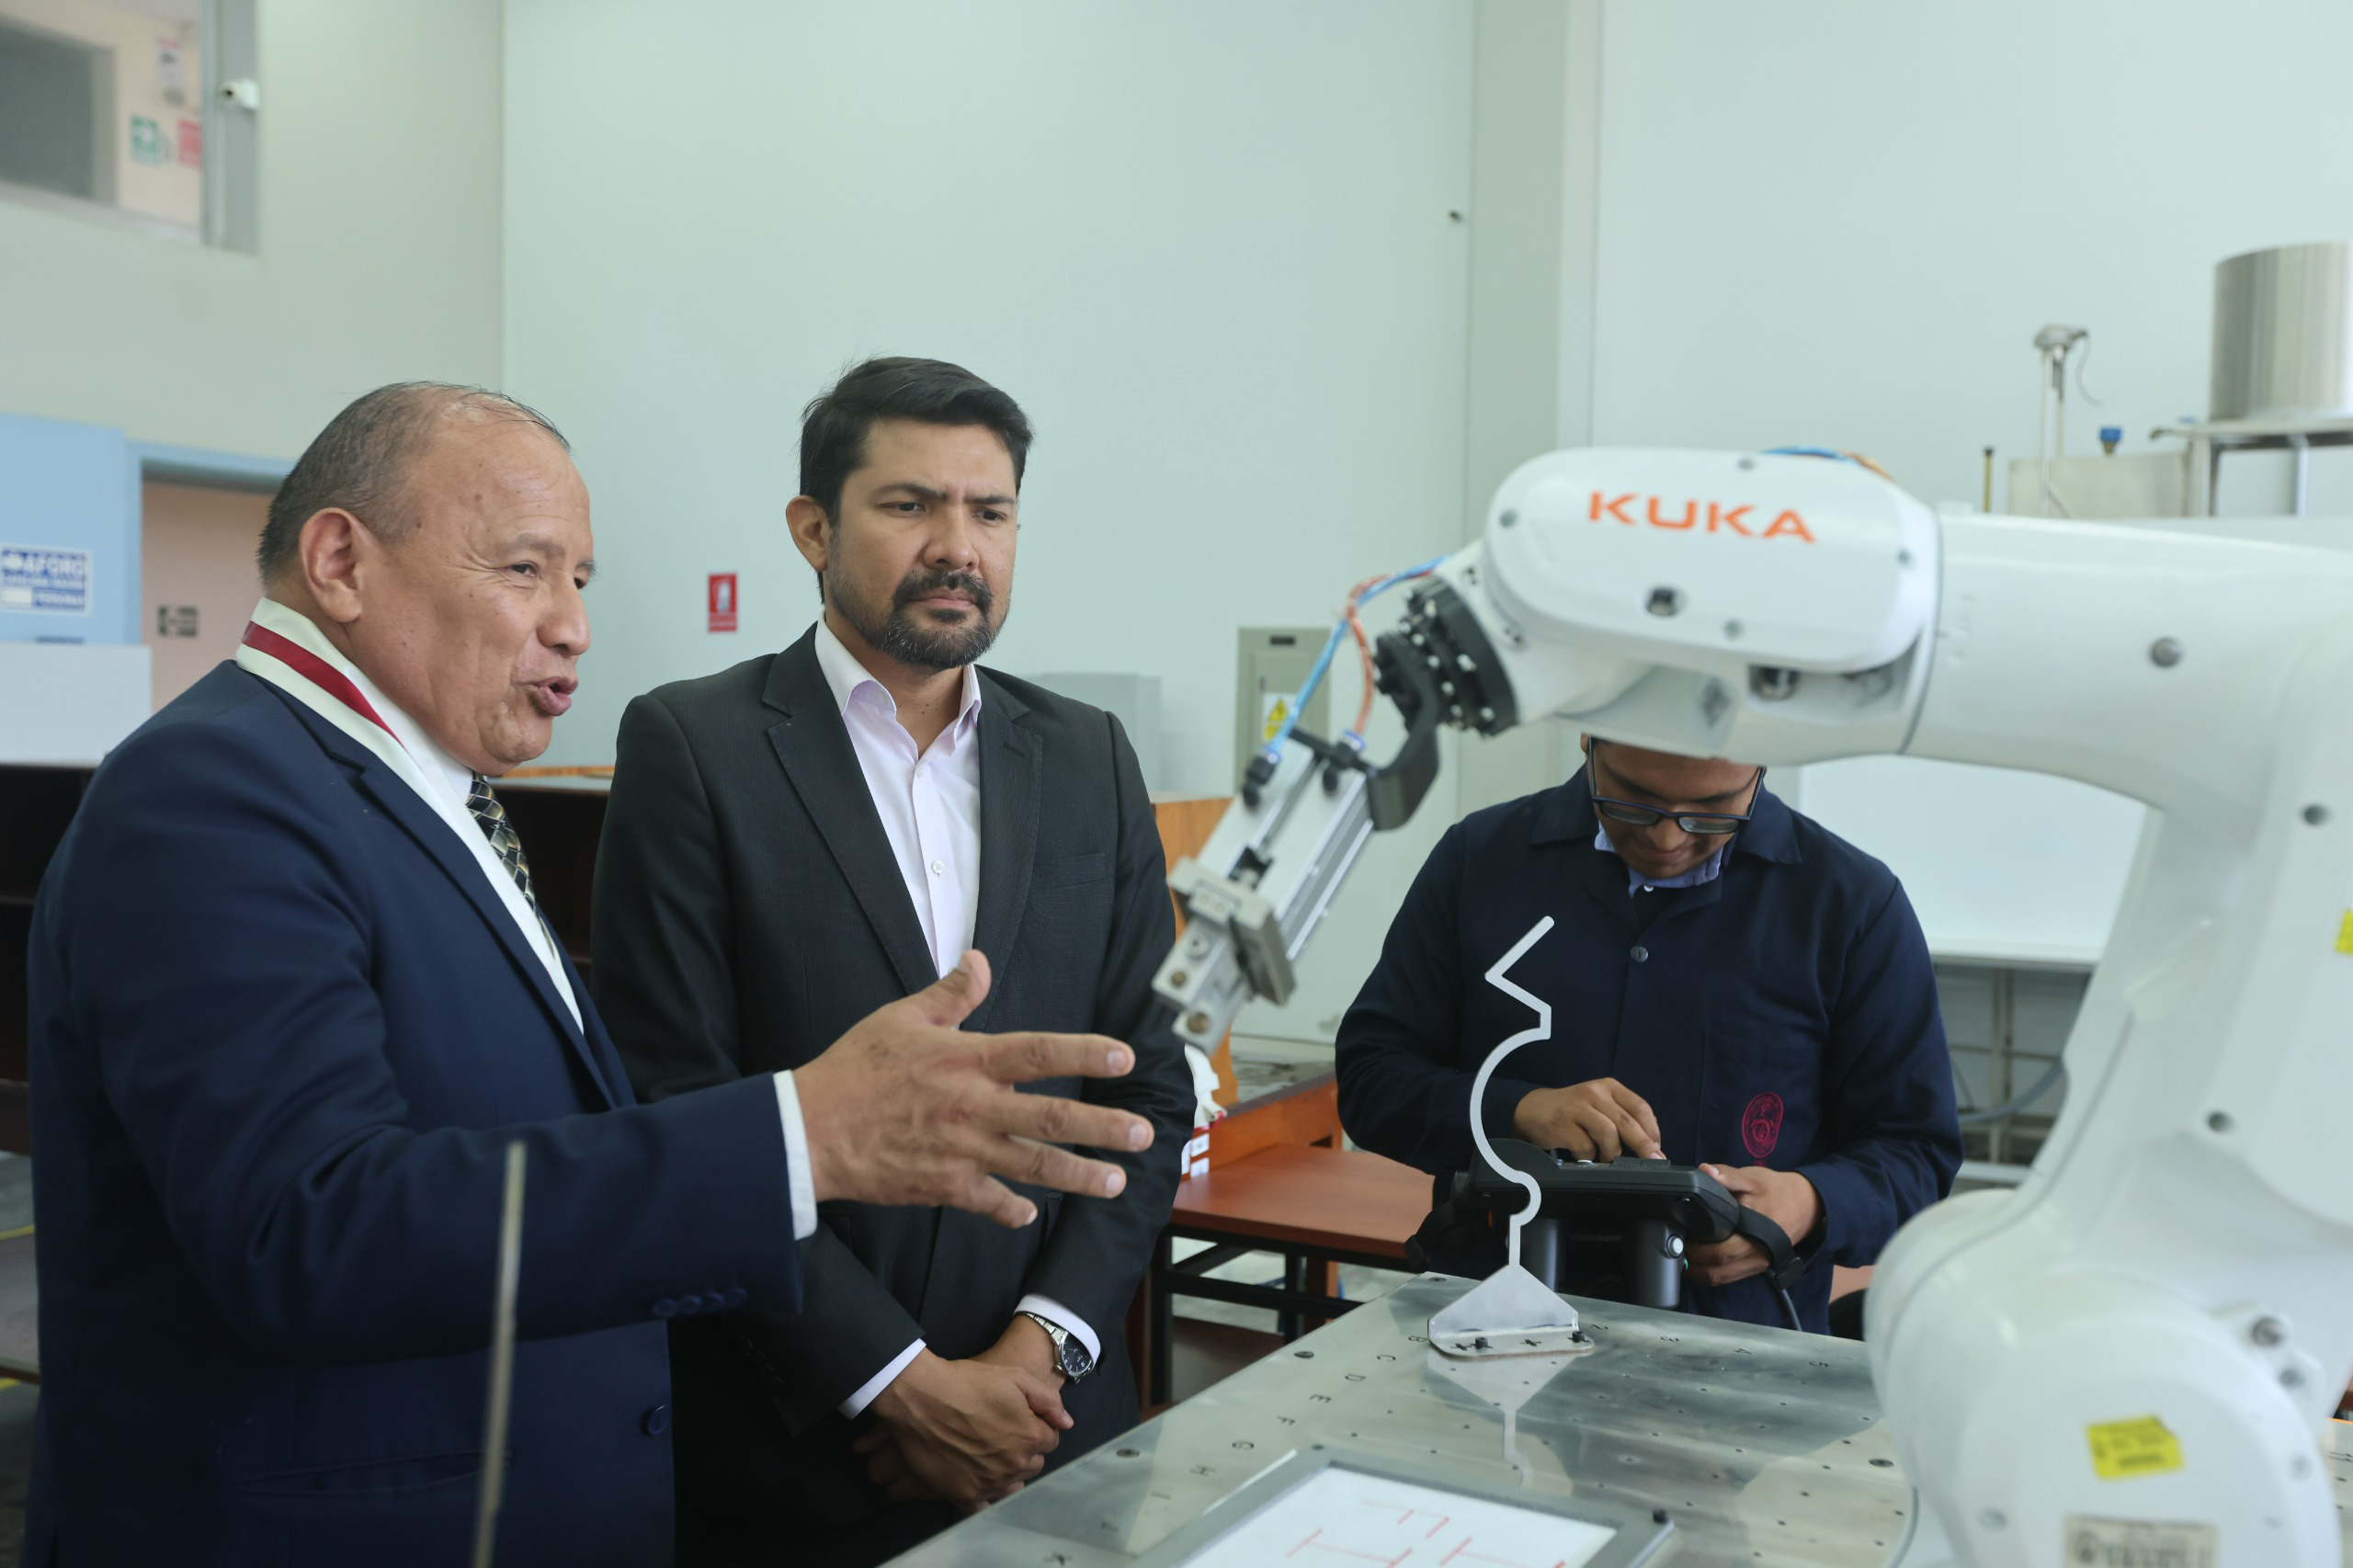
[(1343, 1519)]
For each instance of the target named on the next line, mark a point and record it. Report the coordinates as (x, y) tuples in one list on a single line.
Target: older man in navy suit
[(291, 998)]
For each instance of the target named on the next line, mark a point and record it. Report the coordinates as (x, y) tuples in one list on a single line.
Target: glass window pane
[(102, 101)]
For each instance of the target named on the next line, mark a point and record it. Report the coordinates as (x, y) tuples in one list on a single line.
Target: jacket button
[(664, 1308), (1641, 955), (657, 1421)]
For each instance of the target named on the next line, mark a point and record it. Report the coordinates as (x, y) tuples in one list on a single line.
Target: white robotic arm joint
[(2188, 1206)]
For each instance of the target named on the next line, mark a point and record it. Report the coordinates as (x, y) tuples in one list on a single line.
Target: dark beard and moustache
[(898, 636)]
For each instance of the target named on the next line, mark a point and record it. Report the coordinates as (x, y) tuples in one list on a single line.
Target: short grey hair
[(360, 461)]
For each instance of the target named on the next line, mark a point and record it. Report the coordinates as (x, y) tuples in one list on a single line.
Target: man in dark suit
[(813, 832), (291, 999)]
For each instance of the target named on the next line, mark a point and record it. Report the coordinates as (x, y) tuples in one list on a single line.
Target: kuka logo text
[(1718, 517)]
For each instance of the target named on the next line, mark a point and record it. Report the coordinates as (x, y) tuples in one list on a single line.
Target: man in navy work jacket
[(291, 998), (1732, 986)]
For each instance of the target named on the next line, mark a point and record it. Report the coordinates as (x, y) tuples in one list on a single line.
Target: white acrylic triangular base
[(1508, 1313), (1511, 1312)]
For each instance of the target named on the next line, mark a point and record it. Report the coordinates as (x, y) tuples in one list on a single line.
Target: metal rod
[(2017, 1103), (2042, 435), (2059, 415), (2000, 1047), (1652, 1260), (502, 1358), (1363, 1258), (1288, 1322), (1214, 1258), (1540, 1250), (1988, 506), (1273, 1298)]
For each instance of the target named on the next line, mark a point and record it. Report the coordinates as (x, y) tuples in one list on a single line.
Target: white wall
[(379, 259), (1207, 246), (1840, 223), (1531, 216)]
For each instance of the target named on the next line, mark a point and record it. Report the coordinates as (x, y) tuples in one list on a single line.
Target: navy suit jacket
[(1782, 1015), (282, 1031)]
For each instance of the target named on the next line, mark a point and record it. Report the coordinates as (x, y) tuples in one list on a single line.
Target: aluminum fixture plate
[(1765, 1447)]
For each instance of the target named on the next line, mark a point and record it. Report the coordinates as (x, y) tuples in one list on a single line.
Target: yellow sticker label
[(2124, 1449), (2345, 932)]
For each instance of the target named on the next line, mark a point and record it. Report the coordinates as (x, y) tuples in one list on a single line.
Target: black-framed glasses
[(1703, 824)]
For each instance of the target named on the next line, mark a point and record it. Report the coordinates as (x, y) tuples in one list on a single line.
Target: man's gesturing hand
[(908, 1108), (1599, 1120)]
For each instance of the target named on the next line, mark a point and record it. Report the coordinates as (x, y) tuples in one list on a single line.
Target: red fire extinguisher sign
[(721, 603)]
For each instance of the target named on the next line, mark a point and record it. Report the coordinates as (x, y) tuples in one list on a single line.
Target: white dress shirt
[(443, 783), (930, 805)]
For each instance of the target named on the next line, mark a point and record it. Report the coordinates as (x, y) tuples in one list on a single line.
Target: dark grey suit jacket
[(748, 912)]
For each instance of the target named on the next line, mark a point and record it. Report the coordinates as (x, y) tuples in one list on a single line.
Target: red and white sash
[(285, 648)]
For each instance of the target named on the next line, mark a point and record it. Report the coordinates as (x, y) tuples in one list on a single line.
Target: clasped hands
[(971, 1433), (1602, 1119), (907, 1108)]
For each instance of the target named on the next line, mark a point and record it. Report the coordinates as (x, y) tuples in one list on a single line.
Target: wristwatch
[(1070, 1356)]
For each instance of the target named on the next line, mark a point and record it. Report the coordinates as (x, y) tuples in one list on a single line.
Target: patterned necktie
[(503, 841)]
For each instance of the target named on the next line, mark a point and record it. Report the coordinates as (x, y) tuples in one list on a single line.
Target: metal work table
[(1764, 1446)]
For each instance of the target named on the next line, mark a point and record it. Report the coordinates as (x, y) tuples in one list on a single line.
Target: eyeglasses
[(1704, 824)]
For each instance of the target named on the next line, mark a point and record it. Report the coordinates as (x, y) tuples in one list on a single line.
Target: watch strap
[(1070, 1356)]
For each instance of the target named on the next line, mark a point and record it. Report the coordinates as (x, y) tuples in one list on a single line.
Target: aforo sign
[(1718, 517), (721, 602)]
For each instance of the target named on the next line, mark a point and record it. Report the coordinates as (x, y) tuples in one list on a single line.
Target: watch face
[(1075, 1362)]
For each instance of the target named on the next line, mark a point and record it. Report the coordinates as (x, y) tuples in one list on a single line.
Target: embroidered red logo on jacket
[(1760, 1124)]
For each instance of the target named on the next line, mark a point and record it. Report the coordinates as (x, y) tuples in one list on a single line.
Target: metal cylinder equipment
[(2283, 334)]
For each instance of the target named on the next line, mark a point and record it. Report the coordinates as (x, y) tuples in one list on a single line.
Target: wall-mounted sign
[(147, 143), (191, 142), (721, 601), (175, 621), (171, 70), (34, 577)]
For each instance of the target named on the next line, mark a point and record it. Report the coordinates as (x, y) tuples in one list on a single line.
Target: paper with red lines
[(1341, 1519)]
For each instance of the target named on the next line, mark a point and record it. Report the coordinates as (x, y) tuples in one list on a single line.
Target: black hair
[(834, 426), (359, 462)]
